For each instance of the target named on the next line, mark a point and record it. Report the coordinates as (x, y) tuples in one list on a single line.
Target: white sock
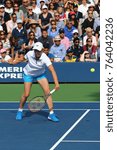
[(51, 112), (20, 109)]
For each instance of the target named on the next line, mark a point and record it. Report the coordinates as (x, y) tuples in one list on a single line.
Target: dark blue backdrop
[(67, 72)]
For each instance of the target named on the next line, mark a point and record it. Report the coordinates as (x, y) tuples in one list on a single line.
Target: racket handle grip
[(52, 91)]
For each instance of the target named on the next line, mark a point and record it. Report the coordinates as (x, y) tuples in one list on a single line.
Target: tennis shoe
[(19, 115), (52, 117)]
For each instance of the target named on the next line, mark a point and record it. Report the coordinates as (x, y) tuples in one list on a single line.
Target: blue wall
[(67, 72)]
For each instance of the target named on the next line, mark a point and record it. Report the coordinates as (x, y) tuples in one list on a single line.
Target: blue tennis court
[(78, 129)]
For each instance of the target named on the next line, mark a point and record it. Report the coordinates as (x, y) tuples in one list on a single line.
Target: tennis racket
[(37, 103)]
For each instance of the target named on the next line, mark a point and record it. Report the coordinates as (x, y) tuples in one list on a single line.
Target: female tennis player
[(35, 69)]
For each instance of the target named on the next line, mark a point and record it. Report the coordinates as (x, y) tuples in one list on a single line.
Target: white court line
[(69, 130), (4, 109), (80, 141)]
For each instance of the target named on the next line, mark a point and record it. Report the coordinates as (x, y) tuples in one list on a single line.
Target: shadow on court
[(35, 132)]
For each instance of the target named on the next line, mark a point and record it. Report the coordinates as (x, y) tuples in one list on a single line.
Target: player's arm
[(54, 75)]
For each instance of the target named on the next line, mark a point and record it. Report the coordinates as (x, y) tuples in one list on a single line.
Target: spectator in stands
[(92, 8), (41, 4), (24, 6), (20, 33), (45, 38), (19, 13), (79, 18), (88, 22), (73, 19), (76, 34), (92, 49), (35, 8), (69, 4), (97, 7), (34, 26), (14, 46), (44, 18), (5, 15), (9, 6), (60, 23), (85, 57), (70, 56), (53, 30), (64, 40), (3, 24), (76, 48), (58, 50), (4, 57), (83, 8), (69, 29), (51, 9), (62, 14), (11, 24), (30, 42), (46, 51), (5, 41), (89, 34)]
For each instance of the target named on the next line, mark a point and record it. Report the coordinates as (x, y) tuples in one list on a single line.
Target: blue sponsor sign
[(67, 72)]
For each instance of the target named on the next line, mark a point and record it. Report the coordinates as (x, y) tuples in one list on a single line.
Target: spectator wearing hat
[(76, 48), (40, 3), (45, 38), (76, 34), (69, 29), (5, 15), (64, 40), (58, 50), (60, 23), (20, 32), (44, 18), (4, 57), (46, 51), (95, 13), (34, 26), (73, 19), (89, 34), (79, 18), (70, 56), (53, 30), (11, 24)]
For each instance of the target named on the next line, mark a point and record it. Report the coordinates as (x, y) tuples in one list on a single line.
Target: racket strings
[(37, 104)]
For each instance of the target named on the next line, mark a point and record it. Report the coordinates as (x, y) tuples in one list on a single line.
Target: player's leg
[(45, 86), (27, 87)]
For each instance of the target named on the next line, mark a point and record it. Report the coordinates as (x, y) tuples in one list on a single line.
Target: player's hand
[(57, 87)]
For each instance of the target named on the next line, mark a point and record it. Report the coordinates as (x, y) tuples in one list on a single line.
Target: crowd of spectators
[(68, 29)]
